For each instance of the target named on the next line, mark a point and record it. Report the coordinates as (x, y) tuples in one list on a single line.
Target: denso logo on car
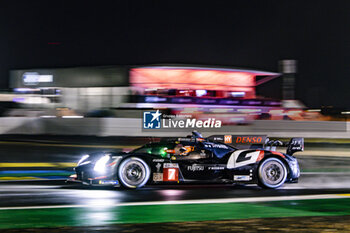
[(249, 139)]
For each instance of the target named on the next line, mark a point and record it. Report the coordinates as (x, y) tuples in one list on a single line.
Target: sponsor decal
[(221, 146), (170, 174), (249, 139), (228, 139), (218, 138), (216, 168), (170, 165), (109, 182), (239, 139), (241, 158), (157, 176), (195, 167), (241, 178), (158, 160), (296, 144), (158, 166), (212, 145)]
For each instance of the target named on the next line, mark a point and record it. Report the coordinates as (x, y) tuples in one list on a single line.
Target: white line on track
[(203, 201), (325, 173)]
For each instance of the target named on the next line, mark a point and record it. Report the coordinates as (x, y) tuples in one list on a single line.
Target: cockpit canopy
[(183, 148)]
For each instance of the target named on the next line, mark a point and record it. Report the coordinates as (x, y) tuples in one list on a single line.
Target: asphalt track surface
[(322, 178)]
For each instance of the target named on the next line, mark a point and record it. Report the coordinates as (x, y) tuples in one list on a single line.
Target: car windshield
[(155, 149)]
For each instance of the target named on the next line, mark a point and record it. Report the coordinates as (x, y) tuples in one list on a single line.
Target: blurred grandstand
[(224, 93)]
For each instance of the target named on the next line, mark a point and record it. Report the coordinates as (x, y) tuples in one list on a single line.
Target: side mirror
[(295, 145)]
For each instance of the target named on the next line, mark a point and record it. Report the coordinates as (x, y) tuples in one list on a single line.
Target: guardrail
[(133, 127)]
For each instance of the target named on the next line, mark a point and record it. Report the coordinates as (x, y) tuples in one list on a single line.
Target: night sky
[(246, 33)]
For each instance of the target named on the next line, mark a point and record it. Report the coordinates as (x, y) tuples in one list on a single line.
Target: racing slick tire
[(272, 173), (133, 173)]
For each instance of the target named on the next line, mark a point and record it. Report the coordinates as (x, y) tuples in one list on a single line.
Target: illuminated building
[(89, 88)]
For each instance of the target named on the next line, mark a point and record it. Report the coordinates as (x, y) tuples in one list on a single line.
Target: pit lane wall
[(133, 127)]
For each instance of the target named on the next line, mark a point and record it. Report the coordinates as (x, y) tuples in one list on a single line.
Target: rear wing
[(295, 145)]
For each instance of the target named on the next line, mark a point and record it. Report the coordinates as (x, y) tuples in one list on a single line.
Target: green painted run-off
[(57, 217)]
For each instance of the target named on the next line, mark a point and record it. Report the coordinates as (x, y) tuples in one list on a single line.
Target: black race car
[(195, 159)]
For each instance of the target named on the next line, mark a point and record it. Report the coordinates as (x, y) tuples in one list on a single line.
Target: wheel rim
[(273, 173), (134, 173)]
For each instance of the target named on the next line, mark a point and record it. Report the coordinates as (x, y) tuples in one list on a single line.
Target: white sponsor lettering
[(212, 145), (216, 168), (249, 159), (241, 178), (158, 160), (220, 146), (195, 167), (170, 165)]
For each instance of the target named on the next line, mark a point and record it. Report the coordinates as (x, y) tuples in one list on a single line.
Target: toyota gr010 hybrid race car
[(194, 159)]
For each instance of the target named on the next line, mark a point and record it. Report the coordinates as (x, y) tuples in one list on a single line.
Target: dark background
[(246, 33)]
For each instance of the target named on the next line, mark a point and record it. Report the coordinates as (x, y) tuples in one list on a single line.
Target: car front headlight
[(83, 159), (100, 165)]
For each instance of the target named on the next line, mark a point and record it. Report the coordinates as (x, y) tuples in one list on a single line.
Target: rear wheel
[(272, 173), (133, 173)]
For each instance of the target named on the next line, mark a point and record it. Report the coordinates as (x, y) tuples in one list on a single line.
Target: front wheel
[(133, 172), (272, 173)]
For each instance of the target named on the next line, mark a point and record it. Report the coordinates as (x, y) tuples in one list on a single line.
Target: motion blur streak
[(170, 213), (104, 203), (38, 164), (67, 145)]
